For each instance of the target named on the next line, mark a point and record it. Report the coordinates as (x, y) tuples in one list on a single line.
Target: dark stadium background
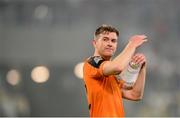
[(57, 34)]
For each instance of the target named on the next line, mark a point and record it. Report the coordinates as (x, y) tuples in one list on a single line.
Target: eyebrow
[(108, 38)]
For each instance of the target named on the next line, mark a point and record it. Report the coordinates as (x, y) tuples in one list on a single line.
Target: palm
[(138, 40)]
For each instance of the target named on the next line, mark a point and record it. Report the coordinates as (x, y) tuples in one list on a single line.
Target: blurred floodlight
[(13, 77), (78, 70), (41, 12), (40, 74)]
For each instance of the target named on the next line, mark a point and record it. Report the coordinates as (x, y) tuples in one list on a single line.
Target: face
[(105, 44)]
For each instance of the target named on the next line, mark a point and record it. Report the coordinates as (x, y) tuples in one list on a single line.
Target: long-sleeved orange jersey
[(103, 92)]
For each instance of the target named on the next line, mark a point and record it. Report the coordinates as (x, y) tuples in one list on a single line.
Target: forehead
[(112, 35)]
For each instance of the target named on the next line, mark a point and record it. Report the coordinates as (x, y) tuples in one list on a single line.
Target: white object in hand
[(129, 74)]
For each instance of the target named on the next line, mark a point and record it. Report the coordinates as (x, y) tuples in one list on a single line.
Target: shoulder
[(95, 61)]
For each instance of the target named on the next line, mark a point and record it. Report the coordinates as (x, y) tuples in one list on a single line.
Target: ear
[(94, 42)]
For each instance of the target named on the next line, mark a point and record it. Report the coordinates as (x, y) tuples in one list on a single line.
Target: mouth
[(109, 49)]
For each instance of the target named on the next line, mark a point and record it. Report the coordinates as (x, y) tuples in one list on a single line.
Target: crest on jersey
[(95, 61)]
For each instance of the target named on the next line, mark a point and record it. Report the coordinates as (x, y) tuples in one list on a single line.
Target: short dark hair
[(106, 28)]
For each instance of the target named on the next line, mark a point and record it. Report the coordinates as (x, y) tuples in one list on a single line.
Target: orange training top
[(103, 92)]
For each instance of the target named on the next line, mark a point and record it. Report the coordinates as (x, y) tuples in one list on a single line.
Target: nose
[(109, 43)]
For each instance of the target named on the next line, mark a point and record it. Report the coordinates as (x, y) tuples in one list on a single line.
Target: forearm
[(138, 88), (124, 57), (120, 62)]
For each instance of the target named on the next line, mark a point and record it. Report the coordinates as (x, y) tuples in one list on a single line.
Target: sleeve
[(95, 68)]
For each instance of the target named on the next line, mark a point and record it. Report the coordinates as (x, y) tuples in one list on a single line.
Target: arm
[(120, 62), (136, 93)]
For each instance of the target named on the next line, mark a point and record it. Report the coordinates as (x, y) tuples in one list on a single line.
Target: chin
[(108, 55)]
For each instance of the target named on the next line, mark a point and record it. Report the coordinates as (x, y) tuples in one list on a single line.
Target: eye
[(105, 39), (114, 40)]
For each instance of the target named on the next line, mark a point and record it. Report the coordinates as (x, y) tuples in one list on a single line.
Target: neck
[(104, 57)]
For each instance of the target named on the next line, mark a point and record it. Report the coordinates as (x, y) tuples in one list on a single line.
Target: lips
[(109, 49)]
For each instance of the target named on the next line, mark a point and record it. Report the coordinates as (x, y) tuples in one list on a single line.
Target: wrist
[(131, 44)]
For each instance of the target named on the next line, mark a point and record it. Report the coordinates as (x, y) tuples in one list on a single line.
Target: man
[(104, 91)]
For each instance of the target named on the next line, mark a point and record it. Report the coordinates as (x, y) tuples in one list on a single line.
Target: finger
[(143, 36), (137, 57), (145, 40), (134, 59), (140, 61)]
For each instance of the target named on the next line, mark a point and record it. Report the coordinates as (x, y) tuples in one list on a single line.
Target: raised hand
[(138, 40), (138, 59)]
